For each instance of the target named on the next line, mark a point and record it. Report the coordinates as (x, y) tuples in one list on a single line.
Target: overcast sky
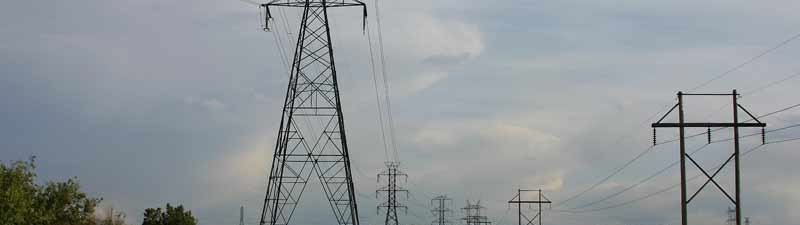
[(149, 102)]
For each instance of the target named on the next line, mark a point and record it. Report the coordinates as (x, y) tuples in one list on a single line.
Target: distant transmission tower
[(731, 217), (391, 188), (312, 133), (519, 200), (440, 210), (241, 215), (473, 214)]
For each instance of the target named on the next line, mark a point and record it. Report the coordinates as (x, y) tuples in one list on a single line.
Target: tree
[(17, 192), (23, 202), (170, 216)]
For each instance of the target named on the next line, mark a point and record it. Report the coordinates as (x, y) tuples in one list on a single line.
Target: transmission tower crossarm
[(312, 3), (706, 125)]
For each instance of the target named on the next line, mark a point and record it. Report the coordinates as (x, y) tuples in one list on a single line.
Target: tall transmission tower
[(736, 124), (519, 200), (440, 210), (311, 136), (391, 188), (473, 214)]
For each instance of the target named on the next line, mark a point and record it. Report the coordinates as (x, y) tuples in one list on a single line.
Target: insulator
[(708, 133), (763, 136), (654, 136)]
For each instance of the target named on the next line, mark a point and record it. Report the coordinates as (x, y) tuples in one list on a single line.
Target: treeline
[(24, 202)]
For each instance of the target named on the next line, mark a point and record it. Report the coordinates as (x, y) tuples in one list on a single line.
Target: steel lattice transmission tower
[(311, 138), (391, 188), (440, 210), (731, 217), (473, 214)]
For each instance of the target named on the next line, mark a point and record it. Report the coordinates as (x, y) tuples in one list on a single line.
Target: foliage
[(170, 216), (23, 202)]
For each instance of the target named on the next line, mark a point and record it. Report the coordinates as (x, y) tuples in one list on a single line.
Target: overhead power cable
[(617, 171), (377, 94), (650, 148), (637, 183), (661, 191), (384, 73), (745, 63), (674, 164), (725, 73), (755, 90), (771, 84), (722, 128), (670, 166)]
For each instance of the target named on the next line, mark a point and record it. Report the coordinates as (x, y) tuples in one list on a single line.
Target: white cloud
[(550, 181), (430, 48), (497, 132), (432, 36), (239, 174)]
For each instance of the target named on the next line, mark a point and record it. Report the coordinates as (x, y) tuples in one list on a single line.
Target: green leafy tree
[(170, 216), (23, 202), (17, 192)]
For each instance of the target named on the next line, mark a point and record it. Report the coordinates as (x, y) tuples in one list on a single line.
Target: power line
[(745, 63), (649, 149), (676, 185), (637, 183), (756, 90), (377, 95), (384, 73), (768, 85), (722, 128), (675, 163), (617, 171)]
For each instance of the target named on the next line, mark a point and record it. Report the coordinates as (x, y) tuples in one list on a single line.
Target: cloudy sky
[(149, 102)]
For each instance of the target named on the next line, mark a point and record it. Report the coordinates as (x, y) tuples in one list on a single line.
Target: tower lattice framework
[(391, 189), (311, 138), (440, 210)]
